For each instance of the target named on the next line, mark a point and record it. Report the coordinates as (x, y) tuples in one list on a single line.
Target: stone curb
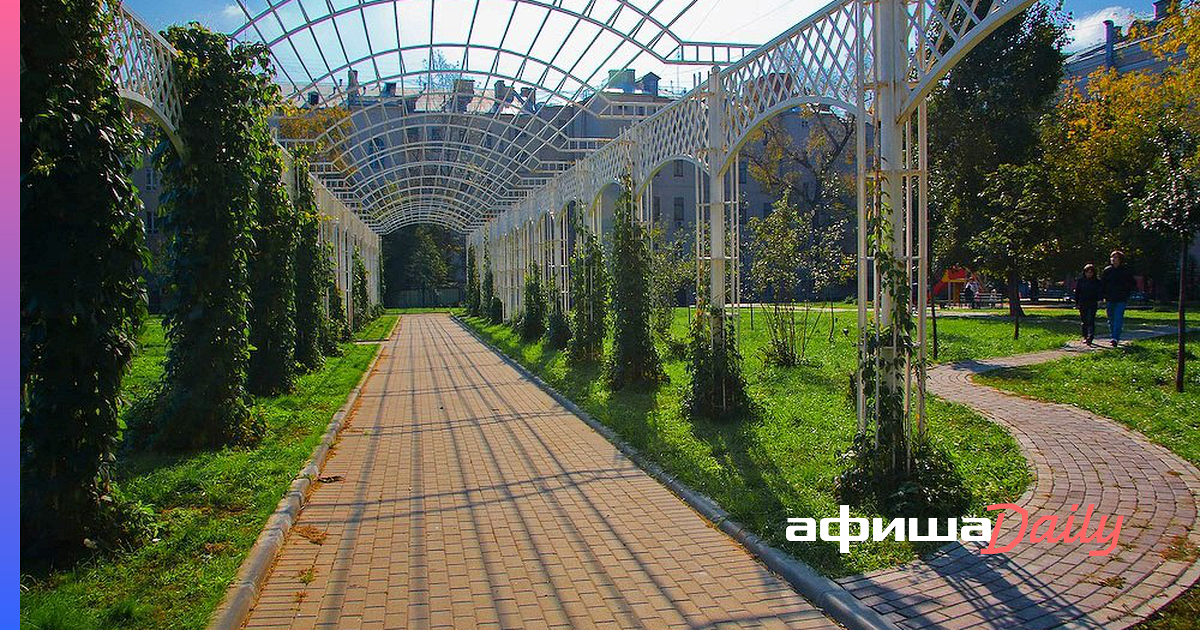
[(242, 593), (820, 590)]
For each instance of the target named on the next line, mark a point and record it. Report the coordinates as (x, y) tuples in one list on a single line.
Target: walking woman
[(1087, 296)]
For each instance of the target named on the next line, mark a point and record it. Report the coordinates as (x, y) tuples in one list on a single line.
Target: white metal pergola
[(501, 167)]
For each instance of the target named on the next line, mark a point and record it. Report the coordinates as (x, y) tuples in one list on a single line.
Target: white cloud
[(1087, 31)]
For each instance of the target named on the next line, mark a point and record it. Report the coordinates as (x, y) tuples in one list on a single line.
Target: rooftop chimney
[(1111, 33), (528, 99), (314, 98), (649, 84), (1162, 8), (503, 93), (621, 80), (352, 82), (389, 88)]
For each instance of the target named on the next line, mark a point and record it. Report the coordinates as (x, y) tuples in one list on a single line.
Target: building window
[(766, 209), (657, 209), (678, 166), (743, 170), (678, 211), (743, 213)]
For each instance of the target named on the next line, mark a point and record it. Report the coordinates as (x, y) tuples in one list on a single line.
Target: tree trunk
[(933, 313), (1179, 361), (1014, 302)]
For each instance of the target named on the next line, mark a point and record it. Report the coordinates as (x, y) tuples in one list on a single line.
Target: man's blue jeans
[(1116, 319)]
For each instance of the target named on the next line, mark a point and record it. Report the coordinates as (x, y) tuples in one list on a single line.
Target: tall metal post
[(716, 190)]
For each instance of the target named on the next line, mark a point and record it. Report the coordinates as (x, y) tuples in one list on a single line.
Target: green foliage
[(81, 293), (588, 292), (210, 202), (487, 292), (671, 269), (533, 318), (473, 300), (311, 317), (983, 123), (791, 253), (273, 282), (360, 304), (338, 328), (427, 267), (634, 360), (718, 388), (496, 311), (558, 330)]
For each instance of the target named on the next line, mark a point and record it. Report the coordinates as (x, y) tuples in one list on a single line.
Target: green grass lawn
[(1133, 385), (378, 329), (211, 506), (783, 463)]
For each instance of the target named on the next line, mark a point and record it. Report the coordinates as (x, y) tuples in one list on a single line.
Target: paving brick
[(471, 499)]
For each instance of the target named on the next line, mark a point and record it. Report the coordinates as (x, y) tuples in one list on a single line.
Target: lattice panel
[(817, 61), (142, 67), (679, 130)]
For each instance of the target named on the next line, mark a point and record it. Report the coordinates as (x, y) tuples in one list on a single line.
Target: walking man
[(1116, 284)]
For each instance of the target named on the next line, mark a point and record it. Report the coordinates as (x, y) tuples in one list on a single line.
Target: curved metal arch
[(425, 210), (777, 109), (653, 170), (389, 203), (435, 218), (362, 5), (389, 128), (348, 65), (378, 180), (448, 194), (935, 65)]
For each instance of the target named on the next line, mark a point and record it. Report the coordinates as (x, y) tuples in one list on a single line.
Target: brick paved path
[(461, 495), (1079, 458)]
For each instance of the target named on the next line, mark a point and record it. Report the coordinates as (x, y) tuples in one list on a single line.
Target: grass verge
[(211, 507), (378, 329), (782, 463)]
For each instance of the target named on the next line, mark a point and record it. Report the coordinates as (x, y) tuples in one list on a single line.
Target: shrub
[(496, 311), (533, 320), (210, 207), (558, 332), (360, 304), (718, 389), (588, 290), (81, 293), (634, 359), (472, 284)]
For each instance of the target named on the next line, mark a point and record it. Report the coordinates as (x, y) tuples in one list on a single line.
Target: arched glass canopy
[(450, 111)]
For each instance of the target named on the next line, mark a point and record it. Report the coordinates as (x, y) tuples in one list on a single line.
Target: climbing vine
[(588, 292), (558, 330), (272, 280), (81, 296), (634, 359), (487, 294), (533, 319), (210, 204), (310, 285), (718, 388), (360, 303)]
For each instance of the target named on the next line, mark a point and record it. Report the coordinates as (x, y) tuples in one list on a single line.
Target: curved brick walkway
[(461, 495), (1078, 458)]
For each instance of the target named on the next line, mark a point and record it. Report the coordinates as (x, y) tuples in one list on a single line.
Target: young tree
[(634, 359), (813, 175), (487, 287), (533, 319), (1171, 205), (792, 251), (671, 270), (588, 290), (81, 293), (1024, 229), (210, 205), (272, 282), (472, 284), (427, 267)]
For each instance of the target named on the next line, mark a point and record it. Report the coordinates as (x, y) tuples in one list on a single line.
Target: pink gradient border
[(10, 269)]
